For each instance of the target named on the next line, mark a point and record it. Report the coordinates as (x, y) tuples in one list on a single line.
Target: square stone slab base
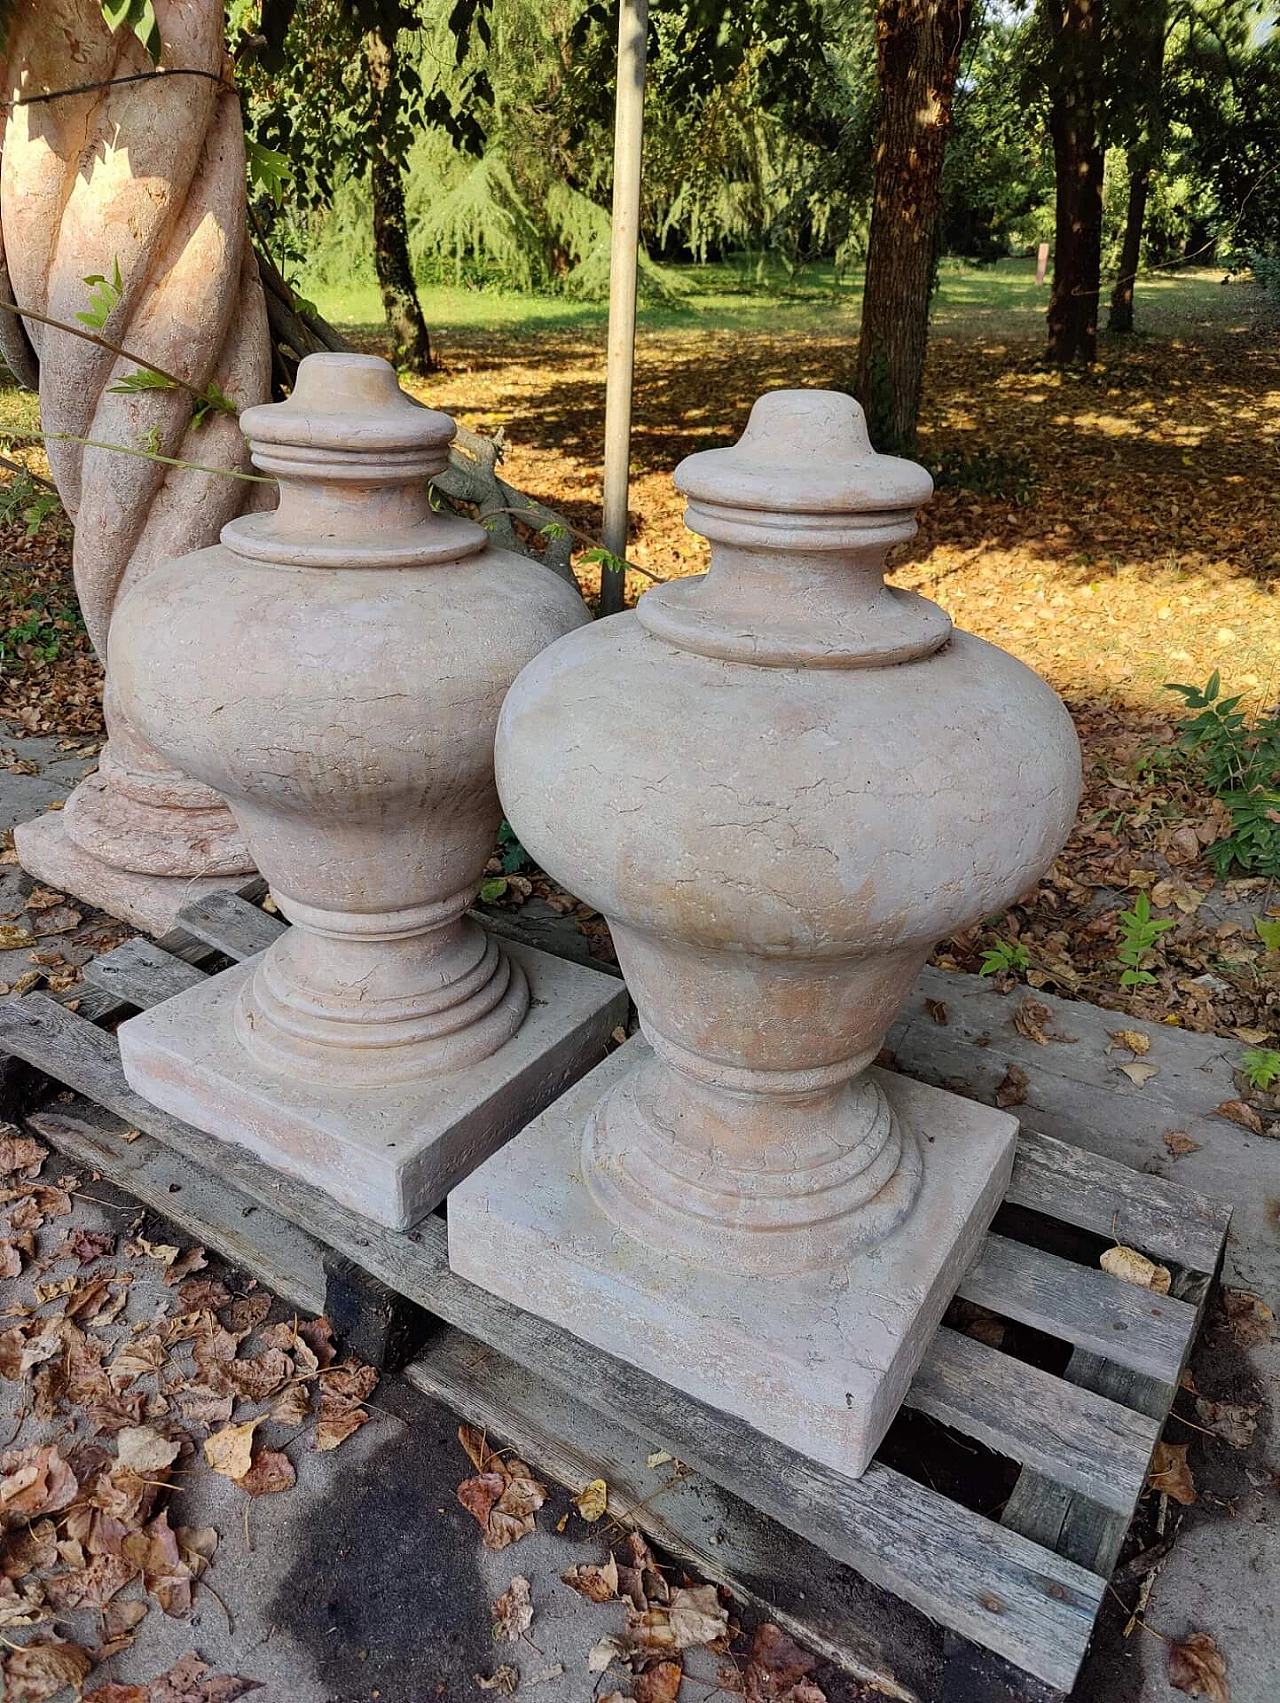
[(150, 902), (821, 1361), (389, 1153)]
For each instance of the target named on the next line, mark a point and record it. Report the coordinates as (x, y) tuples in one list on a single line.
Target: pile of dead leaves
[(86, 1542), (59, 939)]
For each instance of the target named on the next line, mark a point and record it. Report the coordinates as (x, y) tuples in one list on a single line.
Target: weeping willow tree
[(757, 136)]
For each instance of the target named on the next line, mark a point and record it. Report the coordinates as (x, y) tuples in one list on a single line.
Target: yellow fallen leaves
[(1240, 1112), (594, 1500), (230, 1451), (1134, 1039), (1132, 1267)]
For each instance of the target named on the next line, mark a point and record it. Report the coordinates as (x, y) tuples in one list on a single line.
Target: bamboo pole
[(628, 143)]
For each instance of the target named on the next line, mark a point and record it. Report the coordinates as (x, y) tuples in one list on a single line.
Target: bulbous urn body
[(782, 783), (335, 669)]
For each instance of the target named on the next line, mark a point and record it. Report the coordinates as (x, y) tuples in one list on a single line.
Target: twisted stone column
[(146, 177)]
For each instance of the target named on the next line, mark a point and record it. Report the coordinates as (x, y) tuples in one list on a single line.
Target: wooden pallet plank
[(141, 974), (277, 1253), (1079, 1439), (1084, 1306), (713, 1532), (231, 924), (1073, 1525), (1161, 1219), (986, 1582)]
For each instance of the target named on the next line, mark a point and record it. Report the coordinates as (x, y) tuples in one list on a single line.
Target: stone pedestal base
[(390, 1153), (150, 902), (820, 1361)]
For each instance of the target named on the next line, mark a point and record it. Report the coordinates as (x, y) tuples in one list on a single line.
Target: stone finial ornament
[(782, 783), (142, 184), (335, 669)]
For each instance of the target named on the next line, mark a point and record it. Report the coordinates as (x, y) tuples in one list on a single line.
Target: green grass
[(1001, 300)]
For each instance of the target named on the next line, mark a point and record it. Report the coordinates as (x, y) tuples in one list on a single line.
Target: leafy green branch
[(561, 529), (103, 299), (146, 453)]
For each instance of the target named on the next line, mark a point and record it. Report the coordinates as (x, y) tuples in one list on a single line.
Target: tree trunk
[(918, 51), (1144, 154), (1078, 161), (1120, 318), (410, 341)]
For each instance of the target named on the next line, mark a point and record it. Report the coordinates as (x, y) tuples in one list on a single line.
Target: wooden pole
[(628, 143)]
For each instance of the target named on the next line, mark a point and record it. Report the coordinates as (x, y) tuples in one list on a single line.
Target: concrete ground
[(368, 1579)]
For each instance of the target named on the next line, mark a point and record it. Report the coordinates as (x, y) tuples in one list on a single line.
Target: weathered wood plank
[(986, 1582), (1084, 1306), (1073, 1436), (232, 925), (277, 1253), (1159, 1218), (1077, 1526), (141, 974), (713, 1532)]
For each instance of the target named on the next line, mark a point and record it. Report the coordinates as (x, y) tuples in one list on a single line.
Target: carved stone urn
[(334, 669), (782, 783)]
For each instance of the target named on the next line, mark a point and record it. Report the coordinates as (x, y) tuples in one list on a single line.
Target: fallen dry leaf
[(1197, 1666), (658, 1684), (1249, 1318), (1012, 1090), (230, 1451), (1138, 1073), (937, 1009), (40, 1670), (597, 1584), (190, 1681), (604, 1651), (1238, 1112), (659, 1457), (116, 1693), (336, 1424), (504, 1495), (35, 1481), (19, 1153), (271, 1473), (505, 1680), (694, 1616), (164, 1253), (1170, 1473), (292, 1405), (594, 1500), (1180, 1143), (778, 1670), (1233, 1421), (1132, 1267), (144, 1451), (513, 1611), (1134, 1039)]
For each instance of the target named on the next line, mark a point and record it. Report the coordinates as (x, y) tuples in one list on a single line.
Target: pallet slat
[(1084, 1306), (1161, 1219), (140, 973), (231, 925), (1089, 1444), (982, 1580)]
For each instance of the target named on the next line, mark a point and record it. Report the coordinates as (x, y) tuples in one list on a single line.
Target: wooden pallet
[(1025, 1589)]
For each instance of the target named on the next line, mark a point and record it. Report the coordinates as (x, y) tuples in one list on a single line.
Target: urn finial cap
[(801, 513), (353, 455), (803, 452), (351, 404)]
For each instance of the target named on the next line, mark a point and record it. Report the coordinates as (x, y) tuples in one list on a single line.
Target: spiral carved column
[(146, 177)]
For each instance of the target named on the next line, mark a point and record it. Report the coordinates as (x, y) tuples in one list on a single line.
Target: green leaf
[(104, 298), (214, 401), (1268, 933), (269, 171), (142, 378), (492, 889), (1261, 1066), (138, 16)]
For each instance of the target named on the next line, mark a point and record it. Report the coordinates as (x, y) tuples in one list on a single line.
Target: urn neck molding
[(354, 457), (801, 514)]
